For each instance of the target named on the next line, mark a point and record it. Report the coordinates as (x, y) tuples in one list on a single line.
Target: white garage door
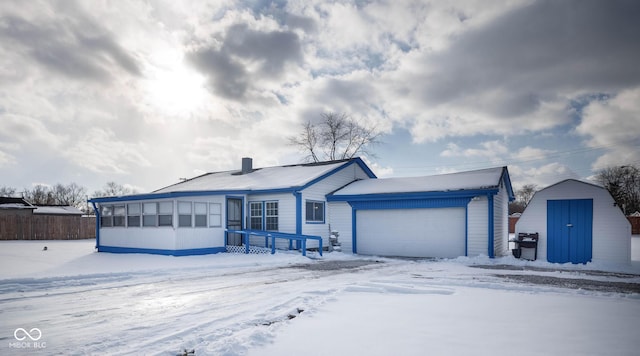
[(411, 232)]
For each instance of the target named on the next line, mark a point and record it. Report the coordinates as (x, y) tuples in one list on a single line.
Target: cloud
[(614, 124), (246, 57), (519, 72), (489, 149), (75, 47), (542, 176)]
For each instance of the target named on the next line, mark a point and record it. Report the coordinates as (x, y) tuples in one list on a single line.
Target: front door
[(569, 230), (234, 221)]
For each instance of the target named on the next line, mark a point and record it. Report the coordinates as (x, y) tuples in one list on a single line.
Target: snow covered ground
[(69, 300)]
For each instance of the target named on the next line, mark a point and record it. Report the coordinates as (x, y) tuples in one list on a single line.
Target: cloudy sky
[(146, 92)]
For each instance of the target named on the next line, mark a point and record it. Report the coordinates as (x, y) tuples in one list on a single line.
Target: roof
[(14, 203), (267, 179), (56, 210), (483, 179)]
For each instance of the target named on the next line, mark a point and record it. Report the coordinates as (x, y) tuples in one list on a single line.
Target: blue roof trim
[(411, 203), (507, 182), (171, 195), (356, 160), (414, 195)]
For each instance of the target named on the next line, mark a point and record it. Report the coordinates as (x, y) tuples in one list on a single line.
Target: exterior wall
[(286, 215), (500, 222), (611, 230), (477, 217), (200, 237), (319, 191), (340, 216), (16, 212)]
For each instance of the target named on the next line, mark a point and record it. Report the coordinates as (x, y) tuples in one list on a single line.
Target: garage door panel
[(438, 232)]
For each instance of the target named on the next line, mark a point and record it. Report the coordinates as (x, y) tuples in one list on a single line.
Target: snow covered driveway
[(82, 302)]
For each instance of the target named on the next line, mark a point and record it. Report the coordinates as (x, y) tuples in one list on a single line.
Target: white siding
[(286, 215), (501, 223), (611, 230), (319, 191), (340, 217), (201, 237), (477, 217)]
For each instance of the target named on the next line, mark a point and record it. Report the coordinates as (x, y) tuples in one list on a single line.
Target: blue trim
[(97, 211), (491, 227), (507, 183), (354, 245), (411, 203), (466, 230), (413, 195), (356, 160), (298, 196), (190, 252)]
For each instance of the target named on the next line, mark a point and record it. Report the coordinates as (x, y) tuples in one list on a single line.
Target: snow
[(57, 210), (478, 179), (263, 178), (228, 304)]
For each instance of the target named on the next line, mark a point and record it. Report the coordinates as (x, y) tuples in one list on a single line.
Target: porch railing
[(273, 235)]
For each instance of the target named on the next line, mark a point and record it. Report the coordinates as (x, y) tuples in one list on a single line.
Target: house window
[(215, 214), (149, 214), (271, 215), (106, 216), (315, 211), (165, 213), (118, 215), (255, 215), (200, 210), (184, 214), (133, 215)]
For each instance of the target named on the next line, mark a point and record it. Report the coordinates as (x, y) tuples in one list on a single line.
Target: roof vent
[(247, 165)]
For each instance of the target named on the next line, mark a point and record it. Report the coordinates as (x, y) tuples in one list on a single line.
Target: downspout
[(298, 196), (97, 211), (491, 227)]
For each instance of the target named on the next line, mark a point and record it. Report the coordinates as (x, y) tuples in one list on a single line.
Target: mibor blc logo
[(27, 339)]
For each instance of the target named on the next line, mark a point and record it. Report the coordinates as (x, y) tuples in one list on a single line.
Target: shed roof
[(470, 180), (57, 210), (15, 203)]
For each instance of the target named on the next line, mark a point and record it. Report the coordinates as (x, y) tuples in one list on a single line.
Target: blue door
[(569, 230)]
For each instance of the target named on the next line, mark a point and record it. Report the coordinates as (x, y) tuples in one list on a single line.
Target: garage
[(442, 216), (412, 232)]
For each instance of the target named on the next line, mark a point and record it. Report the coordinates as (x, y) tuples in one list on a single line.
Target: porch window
[(149, 214), (255, 215), (215, 214), (165, 213), (314, 211), (133, 215), (118, 215), (106, 216), (200, 210), (271, 215), (184, 214)]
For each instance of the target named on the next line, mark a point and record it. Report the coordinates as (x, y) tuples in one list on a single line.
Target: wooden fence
[(46, 227)]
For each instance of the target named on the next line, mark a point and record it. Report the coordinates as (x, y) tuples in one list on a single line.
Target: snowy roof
[(280, 177), (480, 179), (57, 210), (14, 203)]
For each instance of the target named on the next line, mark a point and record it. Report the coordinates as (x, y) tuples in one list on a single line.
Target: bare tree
[(336, 136), (113, 189), (39, 195), (6, 191), (623, 183), (72, 194), (523, 196)]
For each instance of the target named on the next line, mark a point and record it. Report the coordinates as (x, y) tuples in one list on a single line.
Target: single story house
[(456, 214), (577, 222), (15, 206)]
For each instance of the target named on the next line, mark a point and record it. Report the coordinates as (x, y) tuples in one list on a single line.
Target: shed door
[(569, 230), (435, 232)]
